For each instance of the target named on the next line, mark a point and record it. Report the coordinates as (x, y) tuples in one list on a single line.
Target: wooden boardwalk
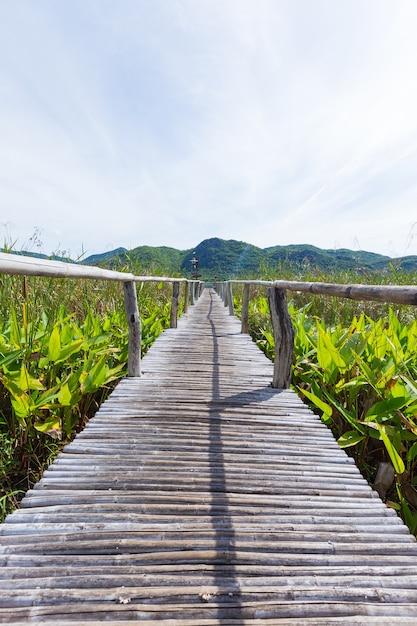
[(200, 495)]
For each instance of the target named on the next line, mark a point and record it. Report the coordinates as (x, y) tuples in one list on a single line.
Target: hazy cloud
[(127, 122)]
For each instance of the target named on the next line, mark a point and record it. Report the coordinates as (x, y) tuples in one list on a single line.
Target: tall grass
[(63, 346)]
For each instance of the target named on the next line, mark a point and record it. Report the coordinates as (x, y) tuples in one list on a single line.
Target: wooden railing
[(14, 264), (283, 330), (281, 322)]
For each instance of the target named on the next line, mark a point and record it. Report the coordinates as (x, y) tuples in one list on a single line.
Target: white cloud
[(129, 123)]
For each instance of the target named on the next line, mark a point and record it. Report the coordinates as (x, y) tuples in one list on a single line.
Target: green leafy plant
[(360, 377), (63, 346)]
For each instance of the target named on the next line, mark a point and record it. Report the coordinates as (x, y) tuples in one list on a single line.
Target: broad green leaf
[(348, 415), (410, 385), (351, 438), (384, 409), (45, 399), (22, 405), (69, 350), (26, 381), (54, 344), (412, 453), (98, 373), (354, 344), (65, 395), (12, 357), (378, 342), (328, 355), (326, 408), (52, 426), (396, 459), (107, 324)]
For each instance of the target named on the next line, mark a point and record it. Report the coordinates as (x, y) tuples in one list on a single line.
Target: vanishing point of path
[(200, 495)]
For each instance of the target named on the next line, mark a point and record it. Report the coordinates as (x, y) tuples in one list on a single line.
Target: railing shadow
[(225, 579), (225, 574)]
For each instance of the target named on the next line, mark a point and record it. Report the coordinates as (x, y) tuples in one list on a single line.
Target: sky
[(167, 122)]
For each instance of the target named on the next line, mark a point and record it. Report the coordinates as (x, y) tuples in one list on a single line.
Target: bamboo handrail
[(281, 321), (16, 264), (397, 294), (32, 266)]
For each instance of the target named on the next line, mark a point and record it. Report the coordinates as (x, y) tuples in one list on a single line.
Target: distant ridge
[(224, 259), (97, 259), (230, 258)]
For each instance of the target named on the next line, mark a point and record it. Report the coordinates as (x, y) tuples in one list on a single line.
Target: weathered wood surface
[(283, 338), (399, 294), (16, 264), (199, 495), (135, 335)]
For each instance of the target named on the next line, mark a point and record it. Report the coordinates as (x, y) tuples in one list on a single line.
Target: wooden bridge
[(200, 495)]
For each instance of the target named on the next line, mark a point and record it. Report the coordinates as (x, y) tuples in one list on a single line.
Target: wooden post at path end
[(230, 298), (226, 294), (135, 334), (174, 305), (186, 296), (245, 309), (283, 336)]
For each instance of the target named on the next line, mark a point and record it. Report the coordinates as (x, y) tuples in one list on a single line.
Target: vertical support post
[(192, 292), (245, 309), (186, 296), (226, 294), (174, 304), (135, 334), (230, 298), (284, 338)]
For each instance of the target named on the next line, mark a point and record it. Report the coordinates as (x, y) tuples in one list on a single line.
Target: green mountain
[(237, 259), (105, 257)]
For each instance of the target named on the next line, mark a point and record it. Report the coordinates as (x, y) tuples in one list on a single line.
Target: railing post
[(245, 309), (230, 298), (186, 296), (226, 294), (174, 304), (135, 335), (284, 338), (192, 292)]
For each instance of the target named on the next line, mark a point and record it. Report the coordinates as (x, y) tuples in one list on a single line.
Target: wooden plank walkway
[(200, 495)]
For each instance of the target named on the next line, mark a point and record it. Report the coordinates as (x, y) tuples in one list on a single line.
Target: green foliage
[(238, 259), (360, 377), (63, 346)]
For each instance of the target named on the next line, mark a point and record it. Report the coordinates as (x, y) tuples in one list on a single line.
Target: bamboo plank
[(200, 495)]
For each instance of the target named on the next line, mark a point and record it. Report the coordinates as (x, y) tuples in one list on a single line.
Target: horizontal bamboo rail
[(16, 264), (281, 322), (397, 294)]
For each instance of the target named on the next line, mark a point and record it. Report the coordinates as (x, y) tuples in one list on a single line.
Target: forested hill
[(226, 259)]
